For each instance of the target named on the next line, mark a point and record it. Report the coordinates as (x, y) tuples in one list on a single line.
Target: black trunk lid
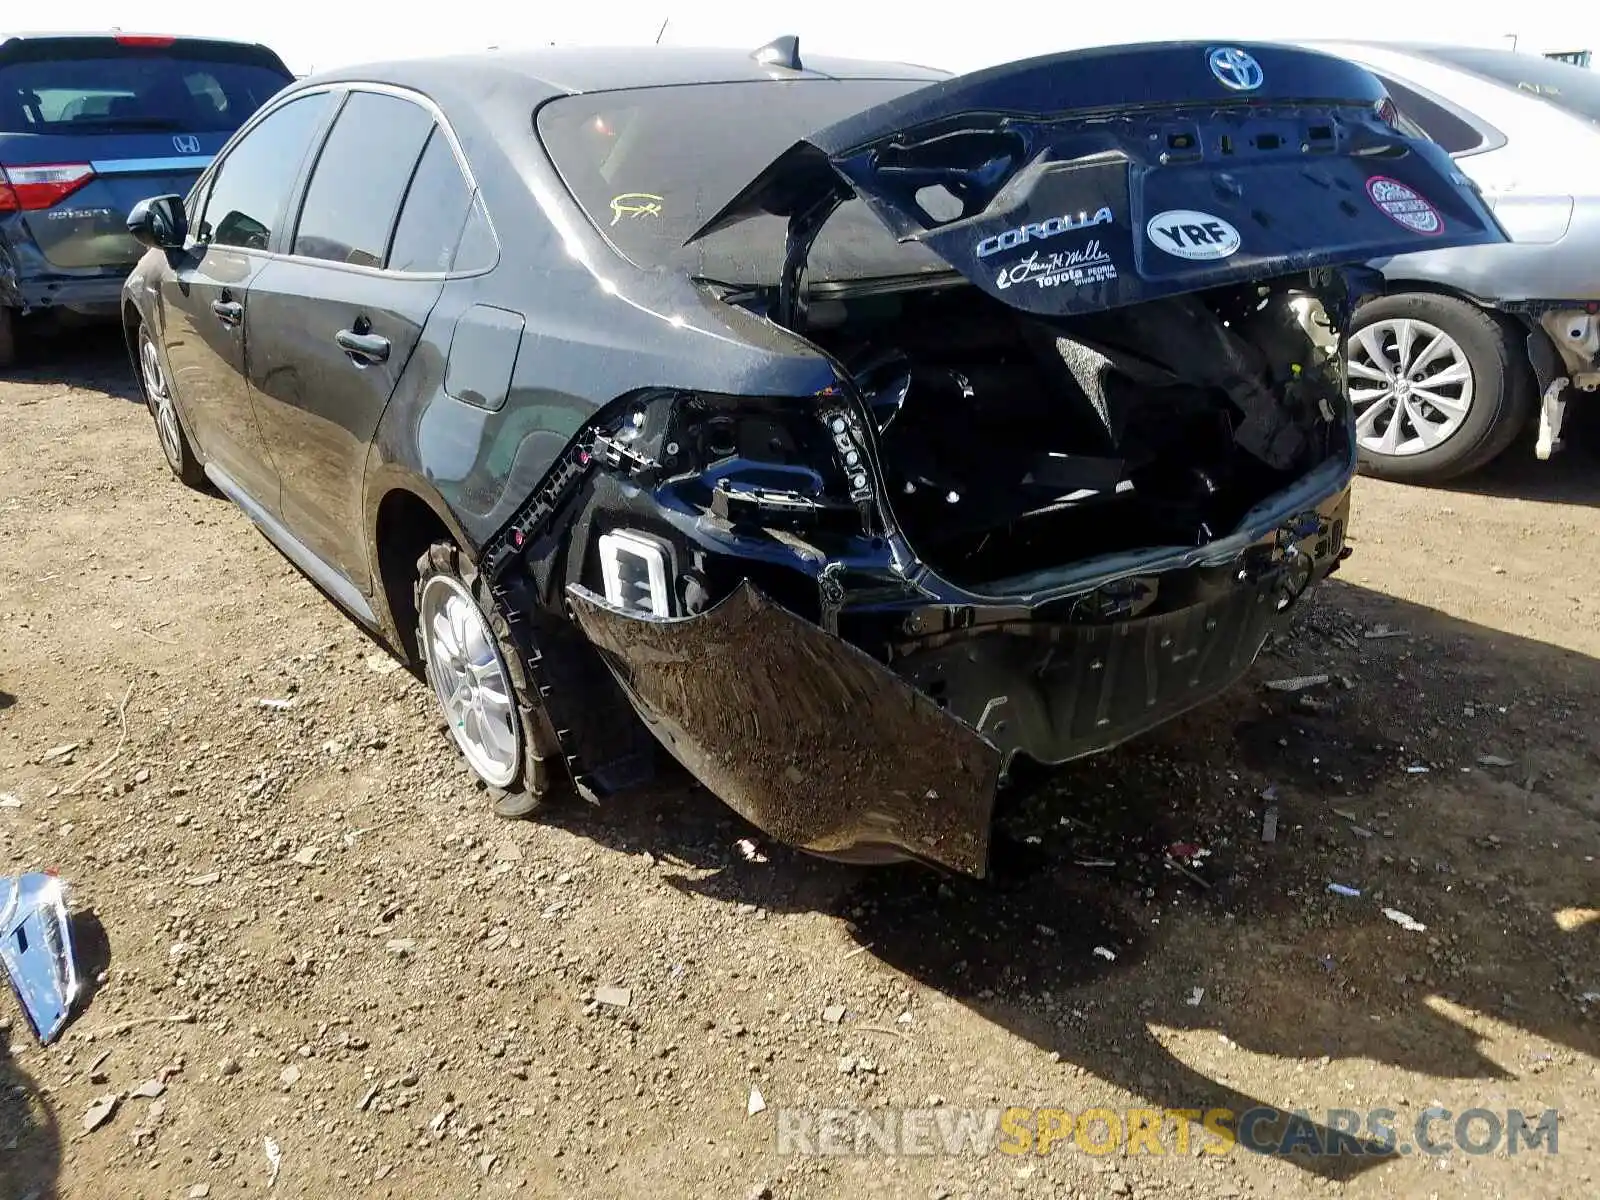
[(1093, 179)]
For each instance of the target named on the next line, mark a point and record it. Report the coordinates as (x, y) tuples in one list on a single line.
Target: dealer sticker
[(1404, 207)]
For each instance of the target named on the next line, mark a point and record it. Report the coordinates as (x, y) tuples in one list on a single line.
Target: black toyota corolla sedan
[(850, 428)]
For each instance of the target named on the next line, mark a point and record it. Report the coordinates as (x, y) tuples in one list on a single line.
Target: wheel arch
[(407, 516)]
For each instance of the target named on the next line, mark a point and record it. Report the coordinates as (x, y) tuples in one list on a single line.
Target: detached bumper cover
[(800, 733), (828, 749)]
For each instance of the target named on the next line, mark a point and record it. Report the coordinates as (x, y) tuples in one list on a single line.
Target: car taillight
[(32, 188), (144, 39), (1388, 113)]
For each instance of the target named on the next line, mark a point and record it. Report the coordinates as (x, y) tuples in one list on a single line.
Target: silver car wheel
[(1410, 385), (159, 398), (470, 680)]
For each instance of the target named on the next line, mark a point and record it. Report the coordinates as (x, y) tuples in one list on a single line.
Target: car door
[(333, 325), (205, 296)]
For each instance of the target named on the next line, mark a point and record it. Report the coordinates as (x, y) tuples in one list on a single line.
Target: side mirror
[(159, 222)]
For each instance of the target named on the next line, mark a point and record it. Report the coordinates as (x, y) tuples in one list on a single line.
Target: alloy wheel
[(470, 680), (159, 397), (1410, 385)]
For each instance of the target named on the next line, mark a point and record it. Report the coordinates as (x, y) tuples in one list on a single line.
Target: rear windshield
[(126, 92), (650, 166), (1572, 89)]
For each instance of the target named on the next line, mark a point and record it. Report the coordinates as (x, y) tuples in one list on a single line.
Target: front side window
[(250, 188), (360, 179)]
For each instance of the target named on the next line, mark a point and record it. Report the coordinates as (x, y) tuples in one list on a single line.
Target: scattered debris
[(1340, 889), (306, 856), (58, 751), (1296, 683), (227, 1067), (149, 1089), (508, 852), (1570, 920), (400, 947), (121, 1027), (96, 1075), (200, 1191), (750, 851), (274, 1159), (290, 1075), (276, 705), (370, 1095), (122, 738), (833, 1014), (486, 1163), (1269, 825), (99, 1111), (205, 880), (756, 1103), (1106, 953), (616, 997), (8, 800), (1405, 922), (1195, 997), (382, 664), (1494, 760), (1383, 631), (1416, 769)]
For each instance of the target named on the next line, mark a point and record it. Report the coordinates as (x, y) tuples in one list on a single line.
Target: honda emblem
[(186, 143)]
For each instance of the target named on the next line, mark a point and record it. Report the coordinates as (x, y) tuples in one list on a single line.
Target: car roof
[(574, 69)]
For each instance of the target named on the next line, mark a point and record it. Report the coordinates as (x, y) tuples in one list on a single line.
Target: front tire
[(481, 684), (1439, 387), (158, 399), (8, 337)]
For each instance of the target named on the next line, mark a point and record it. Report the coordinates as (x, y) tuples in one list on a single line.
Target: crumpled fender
[(801, 733)]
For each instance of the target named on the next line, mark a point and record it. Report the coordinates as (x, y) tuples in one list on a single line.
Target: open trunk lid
[(1093, 179)]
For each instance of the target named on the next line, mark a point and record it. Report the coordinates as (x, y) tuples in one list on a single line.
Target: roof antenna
[(780, 52), (662, 30)]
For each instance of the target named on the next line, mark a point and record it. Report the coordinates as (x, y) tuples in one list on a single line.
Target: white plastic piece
[(1552, 410), (617, 545)]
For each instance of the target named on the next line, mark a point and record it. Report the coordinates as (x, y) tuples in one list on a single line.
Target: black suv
[(89, 126)]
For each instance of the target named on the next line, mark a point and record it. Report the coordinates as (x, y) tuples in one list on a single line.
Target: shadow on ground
[(90, 356), (30, 1141), (1571, 476), (1102, 857)]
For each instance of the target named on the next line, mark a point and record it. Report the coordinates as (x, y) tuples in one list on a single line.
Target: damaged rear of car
[(1077, 441)]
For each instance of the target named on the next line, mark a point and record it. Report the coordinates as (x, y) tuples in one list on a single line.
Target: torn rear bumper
[(826, 747)]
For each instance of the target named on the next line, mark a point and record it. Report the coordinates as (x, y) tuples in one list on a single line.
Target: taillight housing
[(40, 186)]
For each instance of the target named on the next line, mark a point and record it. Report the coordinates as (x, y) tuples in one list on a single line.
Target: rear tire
[(1440, 387), (158, 398), (488, 703), (8, 337)]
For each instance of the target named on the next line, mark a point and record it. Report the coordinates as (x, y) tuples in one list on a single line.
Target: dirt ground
[(302, 923)]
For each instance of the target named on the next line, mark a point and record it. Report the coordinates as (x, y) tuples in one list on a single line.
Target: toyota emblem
[(1235, 69), (187, 143)]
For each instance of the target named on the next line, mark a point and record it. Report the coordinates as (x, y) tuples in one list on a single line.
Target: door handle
[(229, 312), (363, 348)]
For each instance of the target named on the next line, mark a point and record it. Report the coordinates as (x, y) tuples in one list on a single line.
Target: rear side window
[(1439, 123), (360, 179), (1575, 90), (132, 92), (435, 209), (251, 187)]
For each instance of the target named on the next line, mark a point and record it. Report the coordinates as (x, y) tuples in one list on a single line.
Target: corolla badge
[(1235, 69), (186, 143)]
